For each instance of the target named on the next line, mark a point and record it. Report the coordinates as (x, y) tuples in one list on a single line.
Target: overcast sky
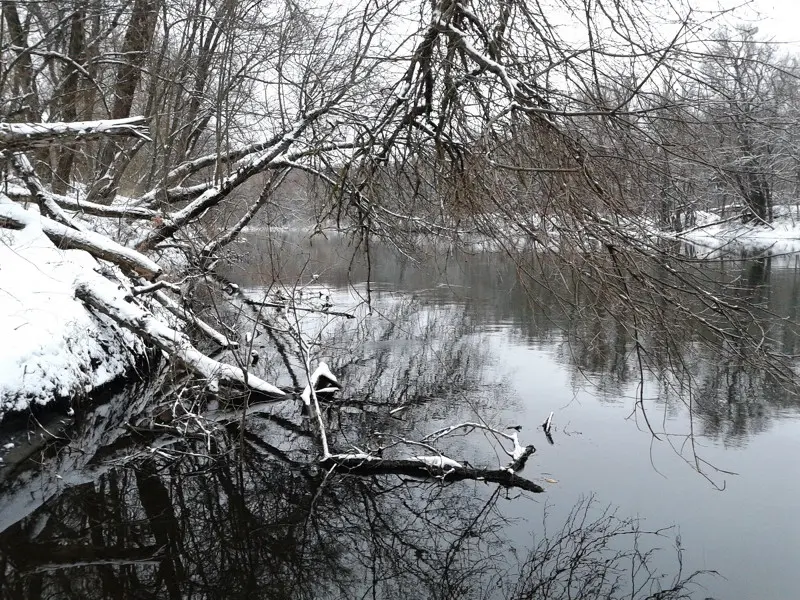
[(781, 17)]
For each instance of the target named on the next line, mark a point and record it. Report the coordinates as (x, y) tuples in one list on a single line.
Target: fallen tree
[(96, 244), (120, 306), (25, 136), (369, 466)]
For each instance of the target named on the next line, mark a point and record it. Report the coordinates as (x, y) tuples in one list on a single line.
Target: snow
[(52, 345), (440, 462), (519, 450), (719, 235), (10, 132), (322, 370)]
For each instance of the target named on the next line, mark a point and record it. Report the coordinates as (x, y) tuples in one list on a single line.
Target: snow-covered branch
[(21, 194), (519, 454), (437, 464), (445, 470), (45, 200), (95, 244), (183, 312), (220, 242), (22, 136), (108, 299), (217, 193)]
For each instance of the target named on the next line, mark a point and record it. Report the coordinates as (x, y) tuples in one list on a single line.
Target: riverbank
[(54, 348), (713, 235)]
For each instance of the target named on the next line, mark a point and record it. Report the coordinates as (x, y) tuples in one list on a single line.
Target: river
[(121, 509)]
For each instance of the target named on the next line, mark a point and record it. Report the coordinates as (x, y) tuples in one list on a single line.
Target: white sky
[(781, 18)]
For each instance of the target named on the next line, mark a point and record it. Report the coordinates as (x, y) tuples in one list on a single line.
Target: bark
[(23, 79), (70, 99), (138, 38), (23, 136)]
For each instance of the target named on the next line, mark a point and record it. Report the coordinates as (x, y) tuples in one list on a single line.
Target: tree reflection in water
[(230, 502), (237, 526)]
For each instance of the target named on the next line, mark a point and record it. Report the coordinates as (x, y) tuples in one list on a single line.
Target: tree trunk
[(70, 99), (138, 38)]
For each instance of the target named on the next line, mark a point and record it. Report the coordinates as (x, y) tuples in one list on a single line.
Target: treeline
[(433, 110)]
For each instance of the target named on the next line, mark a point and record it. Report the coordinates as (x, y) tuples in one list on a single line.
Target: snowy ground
[(713, 235), (52, 345)]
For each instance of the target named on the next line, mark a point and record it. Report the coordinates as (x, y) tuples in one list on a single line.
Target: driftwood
[(368, 466)]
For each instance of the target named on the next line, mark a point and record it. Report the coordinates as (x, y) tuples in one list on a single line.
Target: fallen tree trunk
[(108, 299), (21, 194), (371, 465), (99, 246), (23, 136)]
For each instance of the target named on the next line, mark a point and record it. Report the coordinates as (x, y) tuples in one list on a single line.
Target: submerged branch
[(365, 465)]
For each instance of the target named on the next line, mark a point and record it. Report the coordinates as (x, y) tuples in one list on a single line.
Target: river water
[(122, 509)]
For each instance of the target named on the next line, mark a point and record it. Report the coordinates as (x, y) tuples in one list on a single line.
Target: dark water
[(142, 500)]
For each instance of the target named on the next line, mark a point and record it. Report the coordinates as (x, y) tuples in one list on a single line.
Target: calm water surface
[(737, 517), (460, 338)]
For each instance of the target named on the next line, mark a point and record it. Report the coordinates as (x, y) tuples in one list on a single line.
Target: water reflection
[(734, 383), (187, 523), (161, 493)]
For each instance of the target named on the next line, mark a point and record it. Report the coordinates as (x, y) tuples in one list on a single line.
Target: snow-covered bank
[(721, 235), (53, 346)]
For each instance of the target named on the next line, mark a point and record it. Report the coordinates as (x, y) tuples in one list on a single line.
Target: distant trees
[(744, 104), (615, 112)]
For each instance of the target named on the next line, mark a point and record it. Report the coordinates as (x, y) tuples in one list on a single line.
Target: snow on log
[(521, 457), (21, 136), (440, 462), (322, 374), (548, 423), (108, 299), (21, 194), (519, 454), (369, 466), (99, 246), (47, 205)]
